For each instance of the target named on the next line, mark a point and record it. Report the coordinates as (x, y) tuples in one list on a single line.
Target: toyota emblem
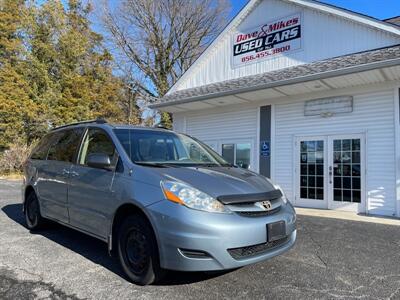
[(267, 205)]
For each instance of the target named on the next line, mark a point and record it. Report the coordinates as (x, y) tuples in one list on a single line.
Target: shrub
[(12, 159)]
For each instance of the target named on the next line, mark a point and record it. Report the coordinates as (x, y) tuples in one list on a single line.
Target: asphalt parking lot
[(332, 259)]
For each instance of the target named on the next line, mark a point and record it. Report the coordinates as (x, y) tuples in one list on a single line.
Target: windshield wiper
[(151, 164)]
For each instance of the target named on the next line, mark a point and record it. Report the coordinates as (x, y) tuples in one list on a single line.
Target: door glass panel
[(347, 170), (66, 146), (312, 170), (97, 142)]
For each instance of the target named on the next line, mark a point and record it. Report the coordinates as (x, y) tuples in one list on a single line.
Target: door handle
[(74, 174), (330, 174)]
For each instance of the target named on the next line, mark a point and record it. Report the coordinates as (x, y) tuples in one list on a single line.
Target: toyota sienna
[(160, 200)]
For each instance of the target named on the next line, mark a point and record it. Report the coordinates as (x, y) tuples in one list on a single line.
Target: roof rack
[(96, 121), (160, 126)]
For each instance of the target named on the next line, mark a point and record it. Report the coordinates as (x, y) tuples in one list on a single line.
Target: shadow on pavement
[(96, 250)]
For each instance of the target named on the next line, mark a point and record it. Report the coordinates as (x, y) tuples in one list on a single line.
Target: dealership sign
[(267, 40)]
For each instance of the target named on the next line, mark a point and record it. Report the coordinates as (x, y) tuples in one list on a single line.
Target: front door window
[(347, 170), (312, 170), (97, 141)]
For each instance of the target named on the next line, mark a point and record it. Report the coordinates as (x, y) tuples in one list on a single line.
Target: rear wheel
[(138, 251), (33, 218)]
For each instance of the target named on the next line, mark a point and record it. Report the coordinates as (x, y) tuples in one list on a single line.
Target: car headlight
[(284, 199), (191, 197)]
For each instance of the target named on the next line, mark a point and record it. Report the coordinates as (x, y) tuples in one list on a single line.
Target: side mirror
[(99, 160)]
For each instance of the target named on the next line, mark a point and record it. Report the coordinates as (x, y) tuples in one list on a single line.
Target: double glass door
[(330, 172)]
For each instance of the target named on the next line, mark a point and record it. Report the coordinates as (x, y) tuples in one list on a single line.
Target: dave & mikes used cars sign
[(267, 40)]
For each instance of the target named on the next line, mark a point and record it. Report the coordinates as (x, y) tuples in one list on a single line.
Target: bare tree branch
[(162, 38)]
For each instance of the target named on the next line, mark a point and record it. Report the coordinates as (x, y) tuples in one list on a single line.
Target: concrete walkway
[(345, 215)]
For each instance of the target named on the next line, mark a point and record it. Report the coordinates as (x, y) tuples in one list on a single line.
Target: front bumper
[(180, 228)]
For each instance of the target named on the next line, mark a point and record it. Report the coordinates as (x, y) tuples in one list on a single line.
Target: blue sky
[(381, 9)]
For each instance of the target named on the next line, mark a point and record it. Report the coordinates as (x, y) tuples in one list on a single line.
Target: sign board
[(265, 149), (328, 107), (267, 40)]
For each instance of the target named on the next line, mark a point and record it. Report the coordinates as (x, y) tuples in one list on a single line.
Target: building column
[(265, 141)]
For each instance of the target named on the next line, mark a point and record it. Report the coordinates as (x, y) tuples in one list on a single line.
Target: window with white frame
[(238, 154)]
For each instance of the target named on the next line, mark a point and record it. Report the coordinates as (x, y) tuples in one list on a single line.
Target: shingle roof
[(279, 77), (395, 20)]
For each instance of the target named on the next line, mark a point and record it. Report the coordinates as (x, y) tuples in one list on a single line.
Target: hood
[(218, 181)]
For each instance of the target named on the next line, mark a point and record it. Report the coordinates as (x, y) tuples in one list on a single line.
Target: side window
[(97, 141), (65, 147), (40, 151)]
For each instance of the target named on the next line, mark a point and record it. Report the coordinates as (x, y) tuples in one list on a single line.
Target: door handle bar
[(74, 174)]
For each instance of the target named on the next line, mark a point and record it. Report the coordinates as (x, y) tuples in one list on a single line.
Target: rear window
[(65, 145)]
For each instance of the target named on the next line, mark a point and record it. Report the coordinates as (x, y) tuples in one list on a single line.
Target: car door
[(90, 193), (54, 173)]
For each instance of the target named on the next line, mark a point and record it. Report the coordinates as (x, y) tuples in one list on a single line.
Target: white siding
[(178, 122), (323, 36), (374, 115), (229, 126)]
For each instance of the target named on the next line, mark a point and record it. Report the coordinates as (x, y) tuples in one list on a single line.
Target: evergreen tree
[(54, 70), (17, 110), (75, 79)]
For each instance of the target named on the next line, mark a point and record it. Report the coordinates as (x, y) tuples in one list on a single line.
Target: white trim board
[(397, 145)]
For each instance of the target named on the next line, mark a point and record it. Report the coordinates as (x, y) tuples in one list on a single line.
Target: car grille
[(246, 252), (258, 213)]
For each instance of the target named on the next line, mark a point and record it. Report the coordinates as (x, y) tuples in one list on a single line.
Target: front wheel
[(33, 218), (138, 251)]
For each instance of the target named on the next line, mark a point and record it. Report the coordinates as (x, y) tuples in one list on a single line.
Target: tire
[(33, 218), (138, 251)]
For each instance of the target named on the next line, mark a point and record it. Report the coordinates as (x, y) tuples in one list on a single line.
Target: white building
[(304, 93)]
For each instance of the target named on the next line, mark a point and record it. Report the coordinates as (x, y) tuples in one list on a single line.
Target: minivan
[(161, 200)]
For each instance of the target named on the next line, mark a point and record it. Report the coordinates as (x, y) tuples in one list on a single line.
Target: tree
[(17, 110), (54, 69), (72, 71), (162, 38)]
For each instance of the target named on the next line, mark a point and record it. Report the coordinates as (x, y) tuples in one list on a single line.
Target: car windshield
[(151, 147)]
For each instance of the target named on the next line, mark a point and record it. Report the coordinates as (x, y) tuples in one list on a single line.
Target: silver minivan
[(160, 200)]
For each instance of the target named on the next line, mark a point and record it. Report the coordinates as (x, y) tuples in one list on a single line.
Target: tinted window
[(65, 147), (97, 141), (40, 151)]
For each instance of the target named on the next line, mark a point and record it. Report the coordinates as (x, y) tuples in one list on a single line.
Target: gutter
[(312, 77)]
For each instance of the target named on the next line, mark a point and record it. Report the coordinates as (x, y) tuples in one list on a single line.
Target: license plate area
[(276, 231)]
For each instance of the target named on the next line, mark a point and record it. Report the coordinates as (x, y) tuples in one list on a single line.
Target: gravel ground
[(332, 259)]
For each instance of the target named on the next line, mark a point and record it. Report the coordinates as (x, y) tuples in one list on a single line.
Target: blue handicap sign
[(265, 149)]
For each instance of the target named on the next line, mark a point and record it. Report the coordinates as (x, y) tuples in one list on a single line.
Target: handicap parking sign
[(265, 149)]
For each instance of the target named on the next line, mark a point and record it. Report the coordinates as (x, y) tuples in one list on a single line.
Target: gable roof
[(312, 4), (394, 20), (347, 64)]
